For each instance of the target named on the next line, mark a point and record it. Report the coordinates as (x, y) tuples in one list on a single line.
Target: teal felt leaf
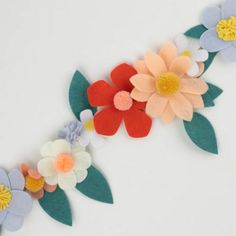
[(78, 94), (56, 205), (196, 31), (210, 59), (214, 91), (95, 186), (208, 100), (202, 133)]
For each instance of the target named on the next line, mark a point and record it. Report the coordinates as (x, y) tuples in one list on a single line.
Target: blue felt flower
[(71, 131), (15, 204), (221, 34)]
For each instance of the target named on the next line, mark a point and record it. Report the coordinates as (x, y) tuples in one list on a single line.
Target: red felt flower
[(119, 105)]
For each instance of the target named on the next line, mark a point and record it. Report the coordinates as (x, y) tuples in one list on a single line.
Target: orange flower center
[(168, 84), (123, 101), (64, 163), (34, 185)]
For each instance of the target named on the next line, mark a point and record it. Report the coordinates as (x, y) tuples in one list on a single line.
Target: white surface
[(162, 185)]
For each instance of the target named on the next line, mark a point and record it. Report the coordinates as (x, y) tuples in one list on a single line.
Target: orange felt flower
[(162, 83), (34, 182)]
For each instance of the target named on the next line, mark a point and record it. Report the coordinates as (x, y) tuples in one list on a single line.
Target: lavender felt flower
[(221, 34), (15, 204), (71, 131)]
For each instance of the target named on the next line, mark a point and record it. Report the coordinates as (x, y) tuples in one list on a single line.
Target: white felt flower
[(64, 164), (88, 133), (191, 48)]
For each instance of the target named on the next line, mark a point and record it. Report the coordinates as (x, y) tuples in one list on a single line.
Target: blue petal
[(211, 16), (3, 215), (4, 178), (17, 180), (13, 222), (229, 54), (229, 9)]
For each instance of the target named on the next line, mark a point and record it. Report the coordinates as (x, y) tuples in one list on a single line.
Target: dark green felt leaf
[(78, 94), (95, 186), (202, 133), (210, 59), (208, 100), (214, 91), (57, 206), (196, 31)]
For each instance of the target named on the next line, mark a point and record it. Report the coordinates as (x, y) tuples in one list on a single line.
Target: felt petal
[(194, 45), (229, 54), (67, 180), (97, 141), (194, 86), (193, 70), (34, 174), (211, 16), (83, 160), (156, 105), (144, 83), (108, 121), (180, 65), (86, 115), (50, 188), (4, 178), (3, 215), (17, 180), (155, 63), (84, 138), (229, 9), (140, 96), (181, 107), (139, 105), (195, 100), (141, 67), (77, 148), (211, 42), (24, 168), (81, 175), (181, 42), (51, 180), (121, 74), (13, 222), (46, 167), (168, 115), (168, 53), (200, 55), (101, 93), (38, 195), (46, 150), (21, 203), (60, 146)]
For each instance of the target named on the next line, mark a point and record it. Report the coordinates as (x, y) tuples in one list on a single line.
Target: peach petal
[(181, 107), (140, 96), (141, 67), (50, 188), (168, 115), (195, 100), (155, 63), (168, 52), (193, 86), (180, 65), (34, 174), (38, 194), (156, 105), (144, 83), (24, 169)]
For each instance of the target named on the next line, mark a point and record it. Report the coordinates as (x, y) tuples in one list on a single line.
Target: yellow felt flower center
[(168, 84), (186, 53), (89, 125), (226, 29), (34, 185), (5, 197), (64, 163)]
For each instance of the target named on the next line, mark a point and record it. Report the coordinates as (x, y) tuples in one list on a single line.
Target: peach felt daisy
[(163, 83)]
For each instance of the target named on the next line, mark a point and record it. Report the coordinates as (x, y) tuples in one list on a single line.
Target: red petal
[(121, 74), (107, 121), (137, 123), (139, 105), (101, 93)]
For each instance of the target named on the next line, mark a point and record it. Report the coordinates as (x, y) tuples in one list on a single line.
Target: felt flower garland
[(166, 83)]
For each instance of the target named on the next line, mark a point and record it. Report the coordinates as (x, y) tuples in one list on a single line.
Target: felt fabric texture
[(108, 120), (12, 217), (210, 39), (208, 100), (56, 205), (78, 95), (202, 133), (96, 187)]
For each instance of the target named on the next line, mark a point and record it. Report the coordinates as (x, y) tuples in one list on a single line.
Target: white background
[(162, 185)]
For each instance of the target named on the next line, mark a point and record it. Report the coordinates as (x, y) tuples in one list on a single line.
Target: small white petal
[(97, 141), (200, 55), (181, 42), (194, 45), (193, 70), (86, 115), (46, 167), (77, 147), (83, 160), (46, 150), (81, 175), (67, 180), (51, 180), (84, 138), (60, 146)]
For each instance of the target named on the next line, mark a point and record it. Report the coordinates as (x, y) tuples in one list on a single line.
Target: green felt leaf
[(202, 133), (196, 31), (214, 91), (208, 100), (57, 206), (78, 94), (95, 186), (210, 59)]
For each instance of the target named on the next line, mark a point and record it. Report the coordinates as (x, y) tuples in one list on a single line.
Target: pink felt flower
[(163, 83)]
